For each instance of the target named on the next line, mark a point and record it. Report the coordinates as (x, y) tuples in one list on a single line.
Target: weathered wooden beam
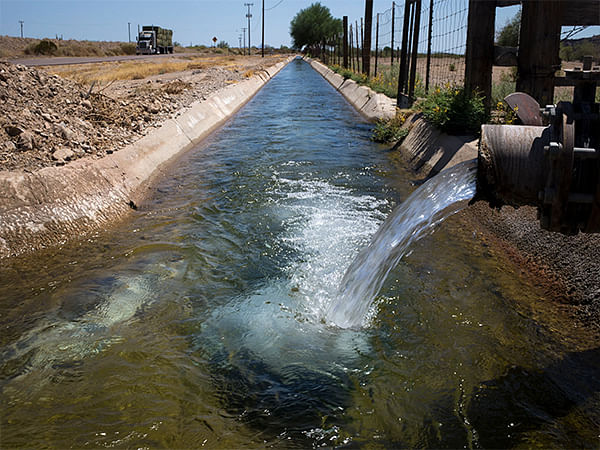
[(505, 56), (480, 48), (539, 45), (503, 3), (581, 12)]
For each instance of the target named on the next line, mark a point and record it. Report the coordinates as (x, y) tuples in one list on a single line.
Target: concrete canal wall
[(56, 204), (426, 149)]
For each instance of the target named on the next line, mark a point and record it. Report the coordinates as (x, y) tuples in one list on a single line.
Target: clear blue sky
[(191, 21)]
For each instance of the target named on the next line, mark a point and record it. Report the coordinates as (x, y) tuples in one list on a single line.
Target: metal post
[(351, 54), (428, 70), (376, 43), (393, 20), (21, 22), (263, 30), (345, 24), (129, 30)]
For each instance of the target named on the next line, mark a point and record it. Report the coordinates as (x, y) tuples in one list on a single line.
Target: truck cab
[(146, 43)]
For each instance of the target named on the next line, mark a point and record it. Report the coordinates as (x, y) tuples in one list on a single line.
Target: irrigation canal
[(199, 321)]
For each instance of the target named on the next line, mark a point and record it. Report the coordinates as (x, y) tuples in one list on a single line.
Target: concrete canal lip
[(56, 204)]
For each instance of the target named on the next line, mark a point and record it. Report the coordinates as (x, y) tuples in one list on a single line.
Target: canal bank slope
[(565, 268), (53, 205)]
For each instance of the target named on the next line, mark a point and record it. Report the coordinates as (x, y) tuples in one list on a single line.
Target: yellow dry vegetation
[(137, 70)]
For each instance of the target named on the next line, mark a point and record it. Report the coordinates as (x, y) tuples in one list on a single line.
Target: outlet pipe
[(543, 167)]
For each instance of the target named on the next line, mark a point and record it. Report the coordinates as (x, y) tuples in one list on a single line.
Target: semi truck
[(154, 40)]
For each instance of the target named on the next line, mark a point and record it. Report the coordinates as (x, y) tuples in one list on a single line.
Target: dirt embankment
[(74, 159), (48, 120)]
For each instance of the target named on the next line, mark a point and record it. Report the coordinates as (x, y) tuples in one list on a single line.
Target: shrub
[(128, 48), (44, 47), (453, 110), (390, 130)]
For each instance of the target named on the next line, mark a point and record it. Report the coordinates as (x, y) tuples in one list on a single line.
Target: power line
[(273, 7)]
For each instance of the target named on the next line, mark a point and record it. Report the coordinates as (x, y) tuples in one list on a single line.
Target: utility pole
[(249, 16), (21, 22), (263, 30), (244, 34), (129, 30), (240, 41)]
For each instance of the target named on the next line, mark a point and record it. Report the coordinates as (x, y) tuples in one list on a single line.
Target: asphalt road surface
[(67, 60)]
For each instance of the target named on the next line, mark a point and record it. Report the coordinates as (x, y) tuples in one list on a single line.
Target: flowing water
[(202, 320), (433, 202)]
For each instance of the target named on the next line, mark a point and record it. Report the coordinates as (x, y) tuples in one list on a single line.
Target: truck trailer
[(154, 40)]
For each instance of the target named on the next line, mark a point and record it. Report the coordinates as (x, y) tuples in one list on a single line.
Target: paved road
[(67, 60)]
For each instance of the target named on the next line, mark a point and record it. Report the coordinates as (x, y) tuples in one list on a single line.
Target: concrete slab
[(57, 204), (372, 105)]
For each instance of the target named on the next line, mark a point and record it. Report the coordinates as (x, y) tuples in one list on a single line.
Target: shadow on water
[(294, 402), (525, 403)]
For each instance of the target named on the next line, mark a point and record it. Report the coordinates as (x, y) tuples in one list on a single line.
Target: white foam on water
[(281, 321), (434, 201)]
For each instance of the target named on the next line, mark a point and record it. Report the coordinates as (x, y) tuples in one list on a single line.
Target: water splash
[(438, 198)]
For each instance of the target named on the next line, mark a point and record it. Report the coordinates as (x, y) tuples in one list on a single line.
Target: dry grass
[(133, 70), (101, 73)]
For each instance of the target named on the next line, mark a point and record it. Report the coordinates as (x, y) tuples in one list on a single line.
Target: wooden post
[(415, 50), (376, 43), (351, 49), (367, 37), (480, 48), (345, 24), (357, 47), (539, 44), (403, 54), (393, 20), (429, 35)]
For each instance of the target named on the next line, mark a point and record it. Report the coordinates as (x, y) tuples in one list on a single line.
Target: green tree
[(508, 36), (222, 44), (313, 27)]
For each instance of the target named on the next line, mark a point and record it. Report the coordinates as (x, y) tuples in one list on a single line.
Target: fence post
[(345, 24), (357, 47), (351, 48), (538, 49), (480, 48), (367, 37), (376, 43), (403, 54), (392, 43), (428, 70), (415, 49)]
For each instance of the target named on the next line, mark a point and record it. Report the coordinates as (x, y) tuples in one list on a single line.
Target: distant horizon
[(193, 22)]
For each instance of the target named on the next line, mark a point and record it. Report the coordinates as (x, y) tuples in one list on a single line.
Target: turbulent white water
[(434, 201)]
